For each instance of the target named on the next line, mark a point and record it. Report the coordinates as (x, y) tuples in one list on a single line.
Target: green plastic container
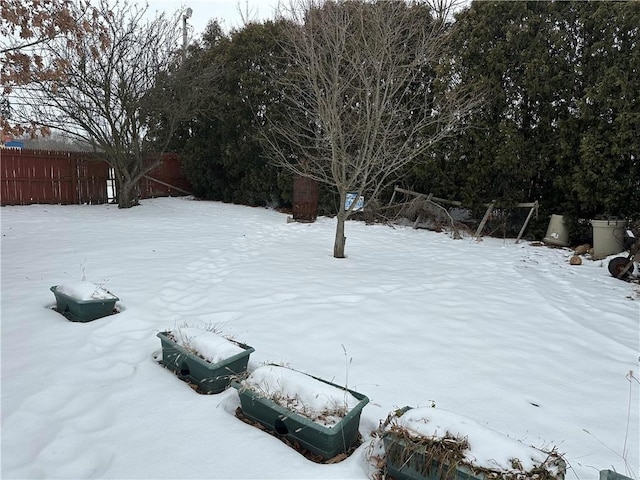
[(83, 310), (611, 475), (209, 377), (318, 439), (406, 460), (413, 466)]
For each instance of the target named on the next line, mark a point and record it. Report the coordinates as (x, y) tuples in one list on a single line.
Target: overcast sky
[(225, 11)]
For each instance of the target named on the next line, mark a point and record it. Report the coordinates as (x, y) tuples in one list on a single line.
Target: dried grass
[(443, 457), (328, 416), (430, 457)]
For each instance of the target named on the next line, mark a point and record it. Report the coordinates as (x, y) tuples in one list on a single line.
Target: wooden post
[(393, 196), (435, 199), (167, 184), (526, 222), (484, 219)]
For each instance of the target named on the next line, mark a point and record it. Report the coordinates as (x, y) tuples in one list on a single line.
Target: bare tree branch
[(27, 29), (115, 95)]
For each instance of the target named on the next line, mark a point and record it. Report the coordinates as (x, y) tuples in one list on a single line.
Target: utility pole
[(187, 14)]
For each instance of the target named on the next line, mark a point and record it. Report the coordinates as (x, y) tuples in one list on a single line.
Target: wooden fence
[(53, 177), (166, 180), (42, 176)]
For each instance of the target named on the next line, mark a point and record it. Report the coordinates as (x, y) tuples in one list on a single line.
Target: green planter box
[(317, 439), (408, 460), (209, 377), (611, 475), (413, 466), (83, 310)]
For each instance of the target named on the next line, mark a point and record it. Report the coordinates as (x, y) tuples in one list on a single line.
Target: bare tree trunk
[(339, 244), (128, 194)]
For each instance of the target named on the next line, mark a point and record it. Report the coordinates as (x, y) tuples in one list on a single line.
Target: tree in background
[(560, 114), (511, 52), (559, 122), (221, 152), (606, 179), (115, 92), (27, 29), (363, 95)]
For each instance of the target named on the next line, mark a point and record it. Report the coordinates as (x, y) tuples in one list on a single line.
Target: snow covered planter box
[(204, 358), (83, 301), (611, 475), (433, 444), (319, 416)]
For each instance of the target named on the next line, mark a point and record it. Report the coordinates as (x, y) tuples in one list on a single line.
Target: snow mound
[(319, 401), (486, 448), (85, 291), (209, 345)]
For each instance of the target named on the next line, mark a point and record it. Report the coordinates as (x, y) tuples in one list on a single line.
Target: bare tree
[(124, 94), (26, 28), (366, 93), (444, 10)]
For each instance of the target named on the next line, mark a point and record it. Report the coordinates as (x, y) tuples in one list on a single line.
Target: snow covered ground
[(511, 336)]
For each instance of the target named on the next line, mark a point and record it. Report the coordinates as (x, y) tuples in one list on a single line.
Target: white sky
[(226, 11)]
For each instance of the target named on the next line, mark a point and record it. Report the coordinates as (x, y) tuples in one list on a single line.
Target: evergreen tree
[(222, 156), (561, 120), (606, 180), (560, 123)]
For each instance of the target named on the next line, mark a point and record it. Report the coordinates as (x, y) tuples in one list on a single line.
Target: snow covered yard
[(509, 335)]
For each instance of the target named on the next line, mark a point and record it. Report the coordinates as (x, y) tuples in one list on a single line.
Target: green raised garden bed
[(611, 475), (413, 465), (317, 439), (83, 308), (207, 376), (412, 455)]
